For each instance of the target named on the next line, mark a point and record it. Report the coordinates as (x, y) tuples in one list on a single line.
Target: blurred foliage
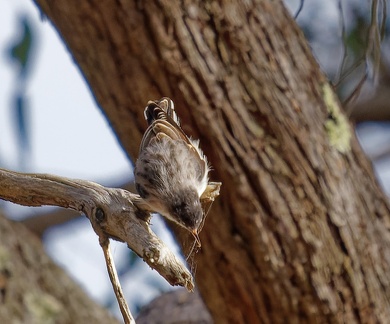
[(349, 47), (356, 39), (21, 122), (19, 52), (363, 45)]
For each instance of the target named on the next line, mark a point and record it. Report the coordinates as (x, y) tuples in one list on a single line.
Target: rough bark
[(301, 229), (33, 289), (175, 307)]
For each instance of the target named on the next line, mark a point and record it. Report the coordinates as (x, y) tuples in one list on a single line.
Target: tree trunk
[(33, 289), (300, 232)]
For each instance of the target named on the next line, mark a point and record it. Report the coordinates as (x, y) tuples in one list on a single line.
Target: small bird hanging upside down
[(171, 173)]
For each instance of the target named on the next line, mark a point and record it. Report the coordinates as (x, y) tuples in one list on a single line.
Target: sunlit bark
[(300, 231)]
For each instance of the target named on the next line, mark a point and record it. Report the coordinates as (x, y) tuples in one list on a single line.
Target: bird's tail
[(162, 109)]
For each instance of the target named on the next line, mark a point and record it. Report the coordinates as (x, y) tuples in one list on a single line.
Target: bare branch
[(299, 9), (344, 46), (40, 223), (117, 212), (124, 308)]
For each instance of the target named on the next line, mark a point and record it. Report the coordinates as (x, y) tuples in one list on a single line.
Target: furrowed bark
[(300, 231)]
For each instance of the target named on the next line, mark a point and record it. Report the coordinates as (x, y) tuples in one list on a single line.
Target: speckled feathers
[(171, 172)]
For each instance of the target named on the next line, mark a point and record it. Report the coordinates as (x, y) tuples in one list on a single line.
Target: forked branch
[(113, 213)]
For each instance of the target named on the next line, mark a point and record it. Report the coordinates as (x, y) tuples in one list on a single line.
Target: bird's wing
[(163, 122)]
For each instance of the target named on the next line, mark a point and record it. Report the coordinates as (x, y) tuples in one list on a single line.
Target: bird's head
[(186, 210)]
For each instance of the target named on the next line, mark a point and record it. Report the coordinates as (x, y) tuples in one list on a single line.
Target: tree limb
[(117, 212), (40, 223)]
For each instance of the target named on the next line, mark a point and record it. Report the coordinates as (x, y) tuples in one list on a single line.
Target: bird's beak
[(196, 236)]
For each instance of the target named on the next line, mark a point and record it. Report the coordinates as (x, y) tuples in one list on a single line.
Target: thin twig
[(373, 52), (374, 38), (344, 47), (355, 93), (299, 9), (112, 273), (124, 308), (384, 16), (350, 70)]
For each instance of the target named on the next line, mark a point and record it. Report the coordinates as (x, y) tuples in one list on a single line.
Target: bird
[(171, 172)]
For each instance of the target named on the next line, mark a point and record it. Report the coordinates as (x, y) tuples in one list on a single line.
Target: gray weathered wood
[(120, 215)]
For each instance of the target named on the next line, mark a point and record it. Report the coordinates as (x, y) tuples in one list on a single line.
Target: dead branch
[(124, 308), (117, 212), (40, 223)]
